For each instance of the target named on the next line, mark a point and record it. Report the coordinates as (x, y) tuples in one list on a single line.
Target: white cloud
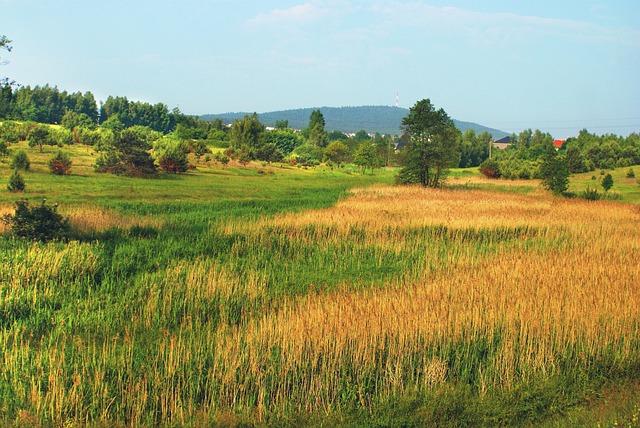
[(295, 15), (492, 28)]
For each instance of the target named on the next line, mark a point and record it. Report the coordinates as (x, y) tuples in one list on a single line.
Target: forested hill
[(382, 119)]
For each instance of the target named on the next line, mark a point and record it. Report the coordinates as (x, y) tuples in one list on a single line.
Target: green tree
[(575, 160), (20, 160), (281, 125), (336, 153), (268, 152), (316, 134), (433, 145), (366, 157), (307, 154), (173, 159), (72, 120), (247, 133), (607, 182), (336, 135), (60, 163), (128, 154), (40, 223), (362, 135), (554, 172), (285, 140), (39, 136), (16, 182)]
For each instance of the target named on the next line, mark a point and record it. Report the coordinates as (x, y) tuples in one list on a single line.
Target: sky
[(557, 66)]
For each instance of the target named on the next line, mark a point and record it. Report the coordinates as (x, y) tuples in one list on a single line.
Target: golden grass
[(86, 219), (581, 298), (565, 293)]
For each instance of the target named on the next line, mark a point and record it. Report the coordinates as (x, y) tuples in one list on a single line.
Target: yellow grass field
[(506, 289)]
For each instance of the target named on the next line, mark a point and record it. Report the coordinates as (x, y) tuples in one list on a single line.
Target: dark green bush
[(607, 182), (60, 163), (16, 182), (490, 168), (20, 160), (38, 223)]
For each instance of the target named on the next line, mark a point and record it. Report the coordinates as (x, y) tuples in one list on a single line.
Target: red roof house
[(558, 143)]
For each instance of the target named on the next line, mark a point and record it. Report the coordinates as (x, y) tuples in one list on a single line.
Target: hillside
[(382, 119)]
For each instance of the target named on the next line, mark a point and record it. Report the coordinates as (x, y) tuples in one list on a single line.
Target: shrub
[(16, 182), (60, 163), (590, 194), (4, 149), (40, 223), (490, 168), (607, 182), (173, 160), (631, 173), (108, 161), (20, 160)]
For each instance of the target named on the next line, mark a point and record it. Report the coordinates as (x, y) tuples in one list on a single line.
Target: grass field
[(318, 297)]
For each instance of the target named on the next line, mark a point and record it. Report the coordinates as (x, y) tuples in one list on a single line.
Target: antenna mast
[(397, 100)]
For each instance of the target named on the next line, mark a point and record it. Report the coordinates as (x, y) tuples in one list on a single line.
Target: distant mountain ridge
[(382, 119)]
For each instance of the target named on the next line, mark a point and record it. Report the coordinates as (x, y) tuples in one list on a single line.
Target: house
[(502, 143), (558, 143)]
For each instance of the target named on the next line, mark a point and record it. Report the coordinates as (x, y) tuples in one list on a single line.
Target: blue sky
[(558, 66)]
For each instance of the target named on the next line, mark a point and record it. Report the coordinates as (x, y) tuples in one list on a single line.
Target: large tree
[(315, 133), (433, 145), (247, 133), (554, 172)]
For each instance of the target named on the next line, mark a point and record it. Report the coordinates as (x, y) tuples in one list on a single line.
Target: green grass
[(111, 308), (624, 189)]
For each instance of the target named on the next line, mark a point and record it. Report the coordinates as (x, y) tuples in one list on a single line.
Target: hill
[(382, 119)]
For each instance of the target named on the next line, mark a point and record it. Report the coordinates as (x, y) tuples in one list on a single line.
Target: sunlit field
[(317, 297)]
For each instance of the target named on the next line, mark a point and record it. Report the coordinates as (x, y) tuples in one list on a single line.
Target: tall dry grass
[(518, 288)]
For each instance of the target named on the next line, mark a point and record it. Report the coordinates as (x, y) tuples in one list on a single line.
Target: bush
[(20, 161), (631, 173), (40, 223), (607, 182), (590, 194), (60, 164), (16, 182), (490, 168), (173, 160), (4, 149)]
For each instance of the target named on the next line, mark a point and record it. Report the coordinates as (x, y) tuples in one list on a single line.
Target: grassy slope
[(182, 207)]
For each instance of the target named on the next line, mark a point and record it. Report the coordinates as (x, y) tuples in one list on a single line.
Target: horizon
[(554, 67)]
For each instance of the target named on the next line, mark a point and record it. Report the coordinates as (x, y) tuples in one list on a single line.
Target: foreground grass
[(288, 299)]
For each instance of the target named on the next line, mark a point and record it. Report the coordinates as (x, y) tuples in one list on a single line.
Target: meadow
[(275, 295)]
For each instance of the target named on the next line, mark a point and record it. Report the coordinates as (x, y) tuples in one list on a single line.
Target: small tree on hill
[(20, 160), (16, 182), (173, 160), (607, 182), (60, 163), (39, 136), (127, 154)]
